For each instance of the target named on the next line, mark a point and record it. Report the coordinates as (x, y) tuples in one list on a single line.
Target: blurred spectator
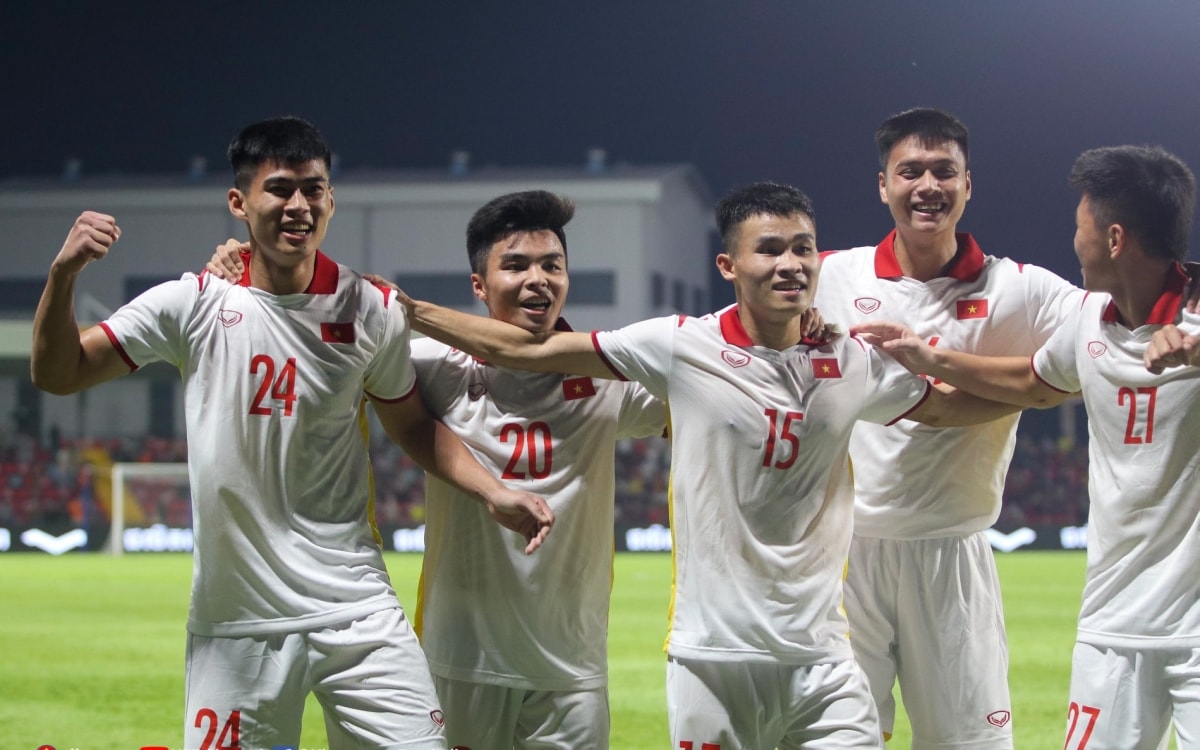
[(1046, 486)]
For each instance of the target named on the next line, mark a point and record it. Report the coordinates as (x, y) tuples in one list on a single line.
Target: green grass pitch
[(91, 648)]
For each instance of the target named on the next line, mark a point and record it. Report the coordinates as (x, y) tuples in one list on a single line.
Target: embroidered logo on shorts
[(998, 718), (1096, 348), (229, 318), (438, 717)]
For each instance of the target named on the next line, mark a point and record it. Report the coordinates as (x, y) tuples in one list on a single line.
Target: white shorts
[(928, 612), (740, 706), (1125, 699), (493, 717), (369, 675)]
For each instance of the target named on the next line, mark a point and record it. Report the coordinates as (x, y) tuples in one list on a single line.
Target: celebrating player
[(1137, 657), (922, 594), (289, 593), (517, 644), (761, 492)]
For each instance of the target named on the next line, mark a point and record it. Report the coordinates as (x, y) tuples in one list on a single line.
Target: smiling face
[(525, 281), (287, 209), (926, 188), (774, 266)]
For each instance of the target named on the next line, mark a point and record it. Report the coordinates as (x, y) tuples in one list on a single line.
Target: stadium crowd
[(54, 481)]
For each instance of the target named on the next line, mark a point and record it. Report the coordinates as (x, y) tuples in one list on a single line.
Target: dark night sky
[(786, 90)]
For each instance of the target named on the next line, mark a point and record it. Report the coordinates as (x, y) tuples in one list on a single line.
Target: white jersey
[(912, 481), (487, 612), (277, 454), (761, 496), (1144, 474)]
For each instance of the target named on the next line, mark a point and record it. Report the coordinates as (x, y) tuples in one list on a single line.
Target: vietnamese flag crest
[(824, 367), (577, 388), (972, 308), (337, 333)]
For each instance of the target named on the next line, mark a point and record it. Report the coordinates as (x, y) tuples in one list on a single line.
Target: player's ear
[(479, 287), (883, 188), (237, 203), (725, 266), (1117, 240)]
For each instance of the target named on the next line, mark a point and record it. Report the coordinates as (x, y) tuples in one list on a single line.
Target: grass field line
[(91, 648)]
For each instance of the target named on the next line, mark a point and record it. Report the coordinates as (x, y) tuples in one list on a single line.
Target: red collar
[(324, 280), (735, 333), (966, 265)]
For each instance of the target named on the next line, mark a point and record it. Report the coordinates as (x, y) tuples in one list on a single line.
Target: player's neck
[(281, 279), (1135, 292), (925, 256), (773, 334)]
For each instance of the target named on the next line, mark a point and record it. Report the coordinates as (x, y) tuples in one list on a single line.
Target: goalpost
[(158, 516)]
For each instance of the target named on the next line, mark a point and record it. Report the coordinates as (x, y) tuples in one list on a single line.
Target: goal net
[(151, 508)]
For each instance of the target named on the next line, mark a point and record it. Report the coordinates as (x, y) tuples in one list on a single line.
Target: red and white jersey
[(761, 496), (282, 500), (912, 481), (487, 612), (1142, 589)]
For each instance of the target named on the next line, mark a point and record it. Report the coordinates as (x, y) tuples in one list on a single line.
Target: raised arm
[(507, 345), (441, 453), (63, 358), (1009, 380)]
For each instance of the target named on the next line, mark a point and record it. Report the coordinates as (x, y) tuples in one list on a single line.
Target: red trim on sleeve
[(112, 337), (1043, 380), (397, 400), (607, 363), (928, 390)]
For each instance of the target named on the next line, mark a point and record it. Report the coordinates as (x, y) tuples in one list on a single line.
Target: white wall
[(631, 224)]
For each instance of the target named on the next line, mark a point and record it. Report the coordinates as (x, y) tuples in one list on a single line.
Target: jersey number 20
[(532, 446)]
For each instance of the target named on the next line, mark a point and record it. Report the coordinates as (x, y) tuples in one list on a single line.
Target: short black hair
[(1147, 190), (505, 215), (280, 140), (757, 199), (932, 127)]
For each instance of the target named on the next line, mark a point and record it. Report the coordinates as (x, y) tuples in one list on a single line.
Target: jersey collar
[(735, 333), (1166, 309), (324, 279), (966, 265)]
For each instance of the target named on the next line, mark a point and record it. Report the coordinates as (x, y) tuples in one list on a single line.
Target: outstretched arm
[(63, 358), (507, 345), (1008, 380), (951, 407), (441, 453)]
